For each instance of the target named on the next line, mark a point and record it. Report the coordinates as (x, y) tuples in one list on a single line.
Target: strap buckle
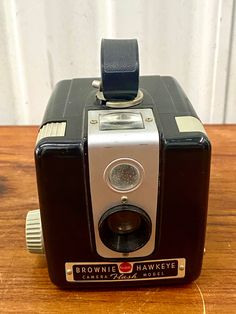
[(119, 103)]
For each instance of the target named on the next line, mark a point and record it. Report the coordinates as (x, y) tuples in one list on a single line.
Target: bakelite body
[(64, 187)]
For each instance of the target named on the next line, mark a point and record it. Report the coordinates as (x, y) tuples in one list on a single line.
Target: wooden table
[(24, 282)]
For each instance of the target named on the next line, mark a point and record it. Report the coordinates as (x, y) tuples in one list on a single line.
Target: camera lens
[(124, 222), (125, 228)]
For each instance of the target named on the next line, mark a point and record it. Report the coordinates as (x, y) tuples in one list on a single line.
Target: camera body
[(123, 177), (149, 163)]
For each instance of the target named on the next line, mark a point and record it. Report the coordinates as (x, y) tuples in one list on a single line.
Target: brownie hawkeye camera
[(123, 176)]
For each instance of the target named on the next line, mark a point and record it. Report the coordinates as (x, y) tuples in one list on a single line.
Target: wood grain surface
[(24, 283)]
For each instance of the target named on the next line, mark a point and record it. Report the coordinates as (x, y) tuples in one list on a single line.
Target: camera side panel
[(63, 199), (184, 185)]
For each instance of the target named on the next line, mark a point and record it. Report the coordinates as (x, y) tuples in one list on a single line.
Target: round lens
[(125, 228), (124, 222), (124, 177)]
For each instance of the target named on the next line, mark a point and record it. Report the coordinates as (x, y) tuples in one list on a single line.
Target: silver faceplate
[(105, 147)]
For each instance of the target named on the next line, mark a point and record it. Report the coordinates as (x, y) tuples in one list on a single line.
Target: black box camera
[(123, 177)]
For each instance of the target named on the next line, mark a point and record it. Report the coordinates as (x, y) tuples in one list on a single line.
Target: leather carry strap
[(119, 69)]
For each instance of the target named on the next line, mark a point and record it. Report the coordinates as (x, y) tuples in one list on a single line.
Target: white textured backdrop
[(44, 41)]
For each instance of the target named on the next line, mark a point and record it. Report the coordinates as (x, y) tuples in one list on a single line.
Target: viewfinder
[(121, 121)]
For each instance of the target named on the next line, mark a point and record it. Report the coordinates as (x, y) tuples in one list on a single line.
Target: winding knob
[(34, 233)]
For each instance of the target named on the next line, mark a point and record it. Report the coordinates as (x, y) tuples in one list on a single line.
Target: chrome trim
[(105, 147), (189, 124), (51, 129)]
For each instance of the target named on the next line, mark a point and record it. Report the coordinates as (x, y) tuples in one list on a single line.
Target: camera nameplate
[(125, 271)]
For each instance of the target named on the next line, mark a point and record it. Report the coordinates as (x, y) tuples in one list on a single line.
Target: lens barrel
[(125, 228)]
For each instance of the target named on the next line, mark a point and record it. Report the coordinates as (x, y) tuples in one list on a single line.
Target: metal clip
[(117, 104)]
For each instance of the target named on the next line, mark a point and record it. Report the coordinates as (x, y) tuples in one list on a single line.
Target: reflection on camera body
[(123, 177)]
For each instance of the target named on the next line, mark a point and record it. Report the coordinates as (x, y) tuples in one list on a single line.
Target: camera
[(123, 167)]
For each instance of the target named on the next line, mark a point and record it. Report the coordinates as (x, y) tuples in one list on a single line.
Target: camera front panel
[(123, 158)]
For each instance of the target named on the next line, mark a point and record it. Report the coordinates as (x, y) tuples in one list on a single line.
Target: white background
[(44, 41)]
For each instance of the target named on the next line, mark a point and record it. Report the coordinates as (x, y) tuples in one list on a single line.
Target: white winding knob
[(33, 232)]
